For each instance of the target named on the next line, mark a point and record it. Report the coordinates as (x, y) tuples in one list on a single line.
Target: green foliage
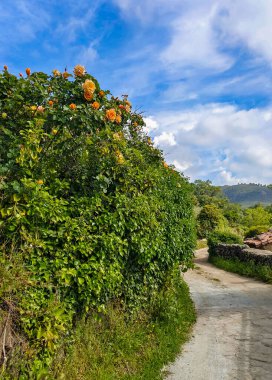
[(206, 193), (218, 237), (250, 269), (209, 219), (257, 216), (233, 213), (87, 202), (110, 346), (256, 230)]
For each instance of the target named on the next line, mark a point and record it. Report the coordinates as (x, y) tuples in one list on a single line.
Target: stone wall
[(243, 253)]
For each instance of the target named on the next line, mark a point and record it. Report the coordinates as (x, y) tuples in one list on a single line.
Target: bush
[(87, 202), (209, 219), (218, 237), (256, 230)]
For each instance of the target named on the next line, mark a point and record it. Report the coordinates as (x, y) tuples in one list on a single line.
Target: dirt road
[(232, 338)]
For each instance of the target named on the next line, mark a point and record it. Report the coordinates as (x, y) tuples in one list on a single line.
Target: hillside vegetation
[(216, 213), (248, 194), (91, 216)]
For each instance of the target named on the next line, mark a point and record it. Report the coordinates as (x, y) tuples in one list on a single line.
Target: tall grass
[(115, 346)]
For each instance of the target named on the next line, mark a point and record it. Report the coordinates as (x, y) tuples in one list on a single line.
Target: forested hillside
[(248, 194)]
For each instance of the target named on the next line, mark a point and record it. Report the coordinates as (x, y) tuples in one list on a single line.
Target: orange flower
[(65, 75), (118, 119), (50, 103), (89, 86), (165, 165), (111, 114), (72, 106), (127, 106), (95, 105), (5, 67), (88, 95), (28, 71), (121, 106), (135, 124), (101, 93), (56, 73), (79, 70), (40, 182)]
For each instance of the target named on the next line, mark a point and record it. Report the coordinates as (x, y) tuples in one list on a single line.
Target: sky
[(200, 71)]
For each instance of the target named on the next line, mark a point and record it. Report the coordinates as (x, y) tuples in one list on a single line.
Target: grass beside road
[(250, 269), (114, 347)]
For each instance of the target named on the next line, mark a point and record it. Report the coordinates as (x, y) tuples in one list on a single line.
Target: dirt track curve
[(232, 338)]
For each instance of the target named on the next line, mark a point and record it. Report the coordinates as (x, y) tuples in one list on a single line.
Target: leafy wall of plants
[(87, 204)]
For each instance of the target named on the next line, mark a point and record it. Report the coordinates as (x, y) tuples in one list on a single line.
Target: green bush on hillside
[(86, 202), (256, 230), (218, 237)]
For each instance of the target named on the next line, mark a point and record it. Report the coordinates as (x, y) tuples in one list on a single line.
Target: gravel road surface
[(232, 338)]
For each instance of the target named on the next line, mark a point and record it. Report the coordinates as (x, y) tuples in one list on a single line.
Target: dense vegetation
[(90, 213), (216, 213), (248, 194)]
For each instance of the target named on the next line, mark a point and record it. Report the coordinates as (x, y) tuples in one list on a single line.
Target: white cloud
[(165, 139), (225, 144), (150, 124), (194, 42)]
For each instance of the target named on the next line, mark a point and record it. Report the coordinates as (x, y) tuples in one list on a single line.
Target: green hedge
[(222, 237), (87, 203)]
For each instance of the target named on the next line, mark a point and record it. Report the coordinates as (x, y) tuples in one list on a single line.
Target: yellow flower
[(118, 119), (111, 114), (33, 108), (54, 131), (40, 182), (88, 95), (119, 157), (89, 86), (117, 136), (95, 105), (72, 106), (79, 70), (56, 73)]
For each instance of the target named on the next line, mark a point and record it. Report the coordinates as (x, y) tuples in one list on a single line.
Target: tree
[(209, 219)]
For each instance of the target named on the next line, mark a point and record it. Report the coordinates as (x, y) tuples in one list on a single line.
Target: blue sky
[(199, 70)]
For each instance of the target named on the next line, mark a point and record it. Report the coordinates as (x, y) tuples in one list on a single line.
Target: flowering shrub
[(86, 201)]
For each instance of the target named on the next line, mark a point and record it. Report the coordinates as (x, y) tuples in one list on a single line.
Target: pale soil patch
[(232, 338)]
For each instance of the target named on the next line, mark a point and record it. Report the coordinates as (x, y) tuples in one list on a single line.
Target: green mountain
[(248, 194)]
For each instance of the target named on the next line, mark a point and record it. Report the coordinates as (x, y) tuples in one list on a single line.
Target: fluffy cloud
[(219, 142), (165, 139)]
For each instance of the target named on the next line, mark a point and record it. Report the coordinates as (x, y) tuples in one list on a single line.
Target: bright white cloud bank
[(218, 141)]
